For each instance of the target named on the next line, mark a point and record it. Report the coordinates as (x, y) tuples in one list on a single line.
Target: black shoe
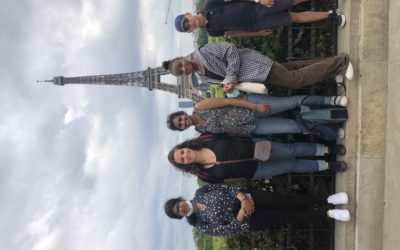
[(337, 149), (338, 166), (336, 18)]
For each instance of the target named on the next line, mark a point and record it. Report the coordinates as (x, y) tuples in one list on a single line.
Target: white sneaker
[(339, 198), (341, 134), (339, 214), (339, 101), (349, 72), (339, 78), (336, 18)]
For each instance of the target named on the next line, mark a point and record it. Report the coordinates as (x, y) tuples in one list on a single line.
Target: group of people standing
[(227, 152)]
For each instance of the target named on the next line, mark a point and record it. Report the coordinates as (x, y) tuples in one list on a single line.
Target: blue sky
[(84, 167)]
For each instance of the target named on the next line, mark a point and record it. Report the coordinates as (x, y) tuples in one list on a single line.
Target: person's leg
[(312, 16), (275, 16), (308, 16), (262, 11), (296, 2), (300, 63), (275, 125), (292, 150), (272, 200), (270, 168), (263, 219), (323, 69), (281, 104)]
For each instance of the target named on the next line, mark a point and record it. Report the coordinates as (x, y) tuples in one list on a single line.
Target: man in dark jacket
[(250, 18)]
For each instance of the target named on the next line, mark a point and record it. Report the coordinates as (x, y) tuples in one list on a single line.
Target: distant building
[(186, 104)]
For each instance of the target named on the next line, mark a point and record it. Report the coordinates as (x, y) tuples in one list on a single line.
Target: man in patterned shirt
[(224, 62)]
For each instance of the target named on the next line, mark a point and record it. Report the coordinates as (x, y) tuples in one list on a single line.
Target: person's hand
[(266, 32), (247, 206), (241, 215), (267, 3), (263, 108), (250, 199), (229, 87)]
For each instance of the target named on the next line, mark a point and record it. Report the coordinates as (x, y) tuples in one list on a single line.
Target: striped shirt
[(236, 65)]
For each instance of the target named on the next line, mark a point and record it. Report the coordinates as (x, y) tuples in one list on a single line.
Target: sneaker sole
[(339, 79), (343, 21), (342, 134), (343, 101), (349, 72)]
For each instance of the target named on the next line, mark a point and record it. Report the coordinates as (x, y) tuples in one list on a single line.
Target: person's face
[(191, 23), (181, 208), (182, 122), (184, 156), (182, 67)]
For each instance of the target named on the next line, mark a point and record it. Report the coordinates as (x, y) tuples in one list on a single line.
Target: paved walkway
[(371, 37)]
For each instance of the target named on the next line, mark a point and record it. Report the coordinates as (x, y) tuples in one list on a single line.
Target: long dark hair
[(170, 120), (167, 65), (197, 144), (193, 168), (169, 205)]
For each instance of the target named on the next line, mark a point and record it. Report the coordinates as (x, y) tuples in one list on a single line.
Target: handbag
[(262, 152), (253, 87)]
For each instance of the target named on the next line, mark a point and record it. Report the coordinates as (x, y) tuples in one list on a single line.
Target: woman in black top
[(210, 159), (227, 210)]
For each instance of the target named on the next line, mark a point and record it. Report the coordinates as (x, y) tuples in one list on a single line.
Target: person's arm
[(233, 180), (214, 103), (267, 3), (211, 187), (228, 54), (246, 206), (231, 229), (212, 3), (237, 33)]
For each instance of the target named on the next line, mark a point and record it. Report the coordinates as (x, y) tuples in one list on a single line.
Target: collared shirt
[(236, 65), (220, 210)]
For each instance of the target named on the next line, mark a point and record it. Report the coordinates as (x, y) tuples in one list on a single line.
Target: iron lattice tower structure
[(150, 78)]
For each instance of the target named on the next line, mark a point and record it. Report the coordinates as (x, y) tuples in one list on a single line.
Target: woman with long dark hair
[(224, 159), (227, 210)]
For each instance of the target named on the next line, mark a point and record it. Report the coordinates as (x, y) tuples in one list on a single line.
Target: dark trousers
[(298, 74), (272, 209)]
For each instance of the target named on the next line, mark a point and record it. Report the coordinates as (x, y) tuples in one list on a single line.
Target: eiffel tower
[(149, 78)]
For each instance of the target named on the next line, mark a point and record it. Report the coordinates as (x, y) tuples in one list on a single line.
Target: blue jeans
[(281, 104), (282, 160), (267, 124)]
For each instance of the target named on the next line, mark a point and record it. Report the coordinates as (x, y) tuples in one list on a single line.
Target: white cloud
[(84, 167), (169, 43)]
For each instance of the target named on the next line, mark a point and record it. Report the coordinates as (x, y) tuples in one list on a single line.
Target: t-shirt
[(224, 16), (226, 150)]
